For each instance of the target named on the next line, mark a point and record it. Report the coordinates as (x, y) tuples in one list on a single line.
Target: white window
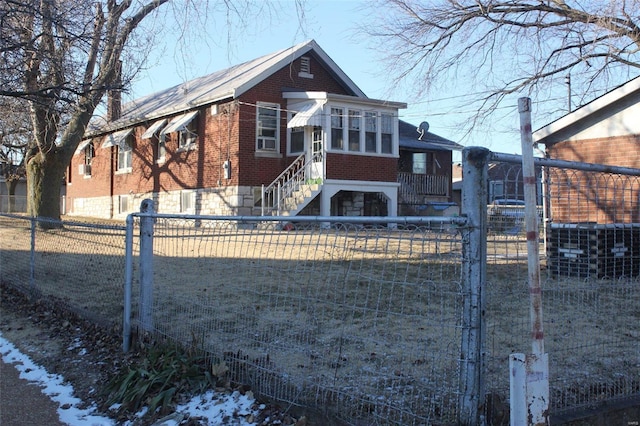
[(161, 150), (386, 133), (267, 127), (187, 129), (188, 135), (354, 130), (125, 152), (124, 203), (187, 201), (337, 135), (89, 153), (370, 131), (420, 163)]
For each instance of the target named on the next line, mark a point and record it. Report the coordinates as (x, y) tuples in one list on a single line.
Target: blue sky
[(333, 24)]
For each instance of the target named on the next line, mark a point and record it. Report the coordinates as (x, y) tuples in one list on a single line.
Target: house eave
[(549, 133), (343, 98), (123, 124)]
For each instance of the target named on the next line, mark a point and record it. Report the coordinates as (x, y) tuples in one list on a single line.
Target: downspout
[(111, 180)]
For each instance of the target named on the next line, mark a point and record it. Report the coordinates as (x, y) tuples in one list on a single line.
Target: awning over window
[(153, 129), (85, 143), (307, 114), (179, 123), (117, 138)]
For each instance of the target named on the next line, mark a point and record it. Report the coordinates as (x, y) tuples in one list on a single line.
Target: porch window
[(125, 151), (337, 136), (297, 140), (267, 129), (370, 131), (354, 130), (419, 163), (386, 129)]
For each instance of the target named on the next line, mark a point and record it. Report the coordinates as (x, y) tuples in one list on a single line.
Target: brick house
[(287, 133), (604, 131)]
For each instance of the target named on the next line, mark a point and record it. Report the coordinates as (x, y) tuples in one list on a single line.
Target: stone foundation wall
[(227, 201)]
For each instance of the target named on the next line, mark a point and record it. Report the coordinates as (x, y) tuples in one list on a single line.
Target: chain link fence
[(590, 258), (77, 266), (369, 320), (358, 320)]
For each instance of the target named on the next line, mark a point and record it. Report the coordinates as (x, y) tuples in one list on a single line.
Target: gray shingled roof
[(224, 84), (430, 141)]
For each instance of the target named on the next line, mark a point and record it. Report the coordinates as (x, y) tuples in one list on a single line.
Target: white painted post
[(146, 265), (536, 364), (518, 390)]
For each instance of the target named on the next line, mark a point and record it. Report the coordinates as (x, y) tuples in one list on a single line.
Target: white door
[(315, 154)]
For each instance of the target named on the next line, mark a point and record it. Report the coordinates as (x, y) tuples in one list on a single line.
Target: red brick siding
[(99, 183), (259, 170), (359, 167), (228, 134), (578, 196), (616, 151)]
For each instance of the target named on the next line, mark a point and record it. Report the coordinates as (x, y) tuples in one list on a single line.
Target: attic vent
[(305, 67)]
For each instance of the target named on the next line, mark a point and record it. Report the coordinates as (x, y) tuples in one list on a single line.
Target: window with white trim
[(89, 154), (124, 203), (337, 134), (267, 127), (187, 201), (354, 130), (188, 136), (370, 131), (419, 163), (125, 151), (386, 133), (161, 151)]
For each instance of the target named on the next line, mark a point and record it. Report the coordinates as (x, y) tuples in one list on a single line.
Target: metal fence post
[(146, 264), (475, 162), (32, 260), (128, 283)]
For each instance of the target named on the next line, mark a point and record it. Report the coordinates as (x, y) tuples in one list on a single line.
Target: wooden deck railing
[(414, 187)]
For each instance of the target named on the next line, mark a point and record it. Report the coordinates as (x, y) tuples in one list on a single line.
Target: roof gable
[(606, 111), (224, 84)]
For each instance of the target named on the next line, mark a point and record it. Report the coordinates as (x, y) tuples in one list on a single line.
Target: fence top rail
[(86, 224), (396, 220), (589, 167)]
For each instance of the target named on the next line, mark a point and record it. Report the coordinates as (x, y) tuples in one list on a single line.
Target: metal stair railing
[(284, 187)]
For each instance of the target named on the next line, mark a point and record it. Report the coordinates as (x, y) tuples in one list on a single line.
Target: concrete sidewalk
[(22, 403)]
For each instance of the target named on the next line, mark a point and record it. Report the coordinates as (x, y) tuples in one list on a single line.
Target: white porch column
[(392, 202), (325, 202)]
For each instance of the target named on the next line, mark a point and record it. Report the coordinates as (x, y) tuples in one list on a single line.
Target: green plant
[(162, 374)]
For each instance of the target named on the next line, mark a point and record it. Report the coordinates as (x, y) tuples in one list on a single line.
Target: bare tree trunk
[(44, 178), (12, 184)]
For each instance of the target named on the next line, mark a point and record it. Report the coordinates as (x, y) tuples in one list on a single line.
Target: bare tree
[(495, 48), (63, 56)]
